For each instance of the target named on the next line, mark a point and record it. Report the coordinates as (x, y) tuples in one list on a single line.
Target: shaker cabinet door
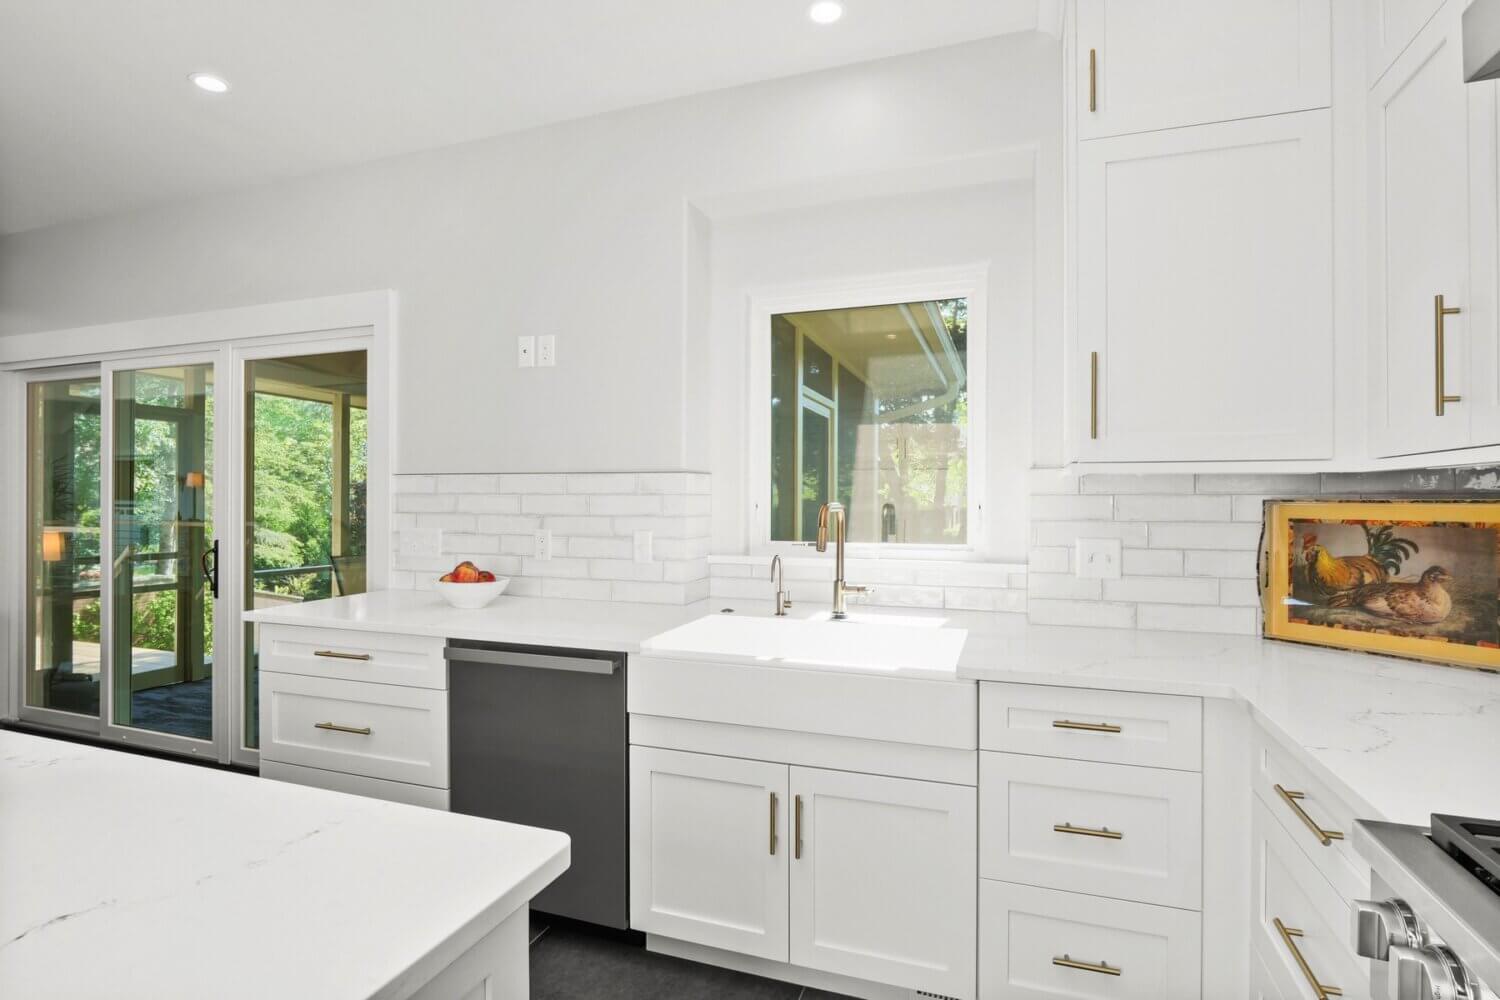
[(1205, 316), (1154, 64)]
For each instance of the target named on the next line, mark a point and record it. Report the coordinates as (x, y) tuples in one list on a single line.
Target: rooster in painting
[(1329, 575)]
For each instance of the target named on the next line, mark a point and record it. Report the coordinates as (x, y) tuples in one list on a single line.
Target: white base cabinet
[(858, 875)]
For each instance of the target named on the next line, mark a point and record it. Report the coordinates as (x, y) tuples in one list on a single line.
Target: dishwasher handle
[(535, 661)]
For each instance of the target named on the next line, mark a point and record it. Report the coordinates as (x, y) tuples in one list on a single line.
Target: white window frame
[(358, 321), (969, 282)]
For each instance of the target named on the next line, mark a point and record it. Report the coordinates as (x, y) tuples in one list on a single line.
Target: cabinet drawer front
[(1313, 918), (1118, 727), (356, 784), (1219, 61), (349, 654), (1304, 803), (1029, 939), (377, 730), (1105, 829)]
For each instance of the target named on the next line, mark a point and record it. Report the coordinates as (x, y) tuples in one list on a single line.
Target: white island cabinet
[(132, 878)]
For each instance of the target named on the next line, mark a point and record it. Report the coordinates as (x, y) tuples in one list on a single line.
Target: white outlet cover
[(525, 352), (1098, 558), (543, 544), (546, 351)]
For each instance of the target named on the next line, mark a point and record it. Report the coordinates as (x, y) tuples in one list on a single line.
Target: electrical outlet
[(546, 351), (643, 546), (525, 352), (1098, 558), (544, 544)]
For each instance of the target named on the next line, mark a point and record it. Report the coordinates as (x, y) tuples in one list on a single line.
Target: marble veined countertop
[(1398, 740), (128, 877)]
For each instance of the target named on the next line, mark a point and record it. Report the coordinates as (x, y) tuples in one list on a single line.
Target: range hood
[(1482, 41)]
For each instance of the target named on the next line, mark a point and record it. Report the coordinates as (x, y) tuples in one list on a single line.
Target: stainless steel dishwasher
[(538, 736)]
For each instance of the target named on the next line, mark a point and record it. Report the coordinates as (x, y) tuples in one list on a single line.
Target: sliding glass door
[(163, 579)]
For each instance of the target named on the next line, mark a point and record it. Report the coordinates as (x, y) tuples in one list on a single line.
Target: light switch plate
[(546, 351), (1098, 558), (525, 352)]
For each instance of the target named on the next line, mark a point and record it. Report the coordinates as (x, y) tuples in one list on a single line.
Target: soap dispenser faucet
[(834, 511), (783, 599)]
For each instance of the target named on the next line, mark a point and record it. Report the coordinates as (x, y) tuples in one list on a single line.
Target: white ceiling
[(97, 116)]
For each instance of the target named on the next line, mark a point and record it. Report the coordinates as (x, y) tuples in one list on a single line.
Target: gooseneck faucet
[(834, 511)]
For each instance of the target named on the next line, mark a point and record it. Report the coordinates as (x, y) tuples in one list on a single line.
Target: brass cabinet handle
[(773, 824), (797, 823), (335, 655), (1093, 79), (1103, 832), (1093, 395), (335, 727), (1439, 311), (1287, 934), (1293, 800), (1086, 727), (1103, 968)]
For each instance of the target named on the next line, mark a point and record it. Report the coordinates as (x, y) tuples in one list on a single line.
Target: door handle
[(1093, 395), (209, 562), (1294, 803), (797, 822), (1093, 79), (1439, 313)]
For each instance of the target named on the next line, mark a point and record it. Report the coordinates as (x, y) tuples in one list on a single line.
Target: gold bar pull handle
[(797, 823), (1093, 395), (1086, 727), (1294, 802), (773, 824), (1439, 351), (1103, 968), (1093, 79), (1288, 934), (1103, 832), (336, 655), (335, 727)]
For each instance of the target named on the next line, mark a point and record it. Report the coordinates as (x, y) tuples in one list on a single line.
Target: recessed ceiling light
[(826, 11), (209, 82)]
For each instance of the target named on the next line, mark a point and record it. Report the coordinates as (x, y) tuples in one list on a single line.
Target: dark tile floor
[(571, 961)]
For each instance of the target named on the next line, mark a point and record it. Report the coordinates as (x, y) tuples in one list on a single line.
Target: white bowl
[(471, 596)]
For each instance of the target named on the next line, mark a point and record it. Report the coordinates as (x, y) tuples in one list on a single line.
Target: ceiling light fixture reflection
[(825, 11), (210, 83)]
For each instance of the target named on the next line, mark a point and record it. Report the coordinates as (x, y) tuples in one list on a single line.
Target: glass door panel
[(62, 552), (306, 447), (164, 576)]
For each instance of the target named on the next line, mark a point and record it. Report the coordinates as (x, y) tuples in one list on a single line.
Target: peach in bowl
[(468, 587)]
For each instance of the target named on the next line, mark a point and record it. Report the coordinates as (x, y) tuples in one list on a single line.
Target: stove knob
[(1377, 926), (1431, 973)]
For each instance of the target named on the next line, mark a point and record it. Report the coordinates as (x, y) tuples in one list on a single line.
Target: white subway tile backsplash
[(1239, 593), (1096, 482), (1093, 614), (1180, 618), (602, 482), (1151, 562), (501, 524), (620, 504), (1250, 507), (1050, 559), (1282, 485), (1162, 590), (423, 502), (554, 503), (1065, 586), (467, 484), (523, 483), (489, 503), (1072, 508), (1167, 507), (1220, 564), (1194, 535), (1068, 532)]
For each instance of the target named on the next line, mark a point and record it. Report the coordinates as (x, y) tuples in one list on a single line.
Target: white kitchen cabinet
[(709, 850), (1204, 294), (883, 880), (1154, 64), (1392, 24), (1422, 228)]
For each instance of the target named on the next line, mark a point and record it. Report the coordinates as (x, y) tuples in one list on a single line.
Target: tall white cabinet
[(1202, 232)]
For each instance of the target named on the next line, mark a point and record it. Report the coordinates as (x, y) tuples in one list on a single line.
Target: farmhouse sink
[(910, 646)]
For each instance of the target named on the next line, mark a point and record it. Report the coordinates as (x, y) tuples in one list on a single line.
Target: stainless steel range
[(1432, 929)]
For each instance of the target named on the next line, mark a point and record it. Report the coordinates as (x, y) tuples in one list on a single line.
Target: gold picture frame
[(1416, 579)]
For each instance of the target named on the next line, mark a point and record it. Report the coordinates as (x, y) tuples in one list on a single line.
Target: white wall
[(581, 229), (989, 224)]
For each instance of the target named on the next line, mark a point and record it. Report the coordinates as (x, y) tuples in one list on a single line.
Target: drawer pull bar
[(1287, 934), (336, 728), (1104, 832), (335, 655), (1325, 837), (1086, 727), (797, 822), (1103, 968), (773, 824)]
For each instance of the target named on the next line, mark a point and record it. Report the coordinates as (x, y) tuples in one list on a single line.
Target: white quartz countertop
[(128, 877), (1399, 740)]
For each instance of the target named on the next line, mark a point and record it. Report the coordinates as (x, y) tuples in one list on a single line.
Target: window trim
[(969, 282)]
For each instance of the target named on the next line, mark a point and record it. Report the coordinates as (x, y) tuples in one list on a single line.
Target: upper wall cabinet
[(1392, 26), (1204, 293), (1154, 64), (1431, 180)]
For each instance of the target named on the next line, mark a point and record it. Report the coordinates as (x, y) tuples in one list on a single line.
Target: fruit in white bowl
[(469, 587)]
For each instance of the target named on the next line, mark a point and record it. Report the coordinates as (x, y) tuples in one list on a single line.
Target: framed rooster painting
[(1415, 579)]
